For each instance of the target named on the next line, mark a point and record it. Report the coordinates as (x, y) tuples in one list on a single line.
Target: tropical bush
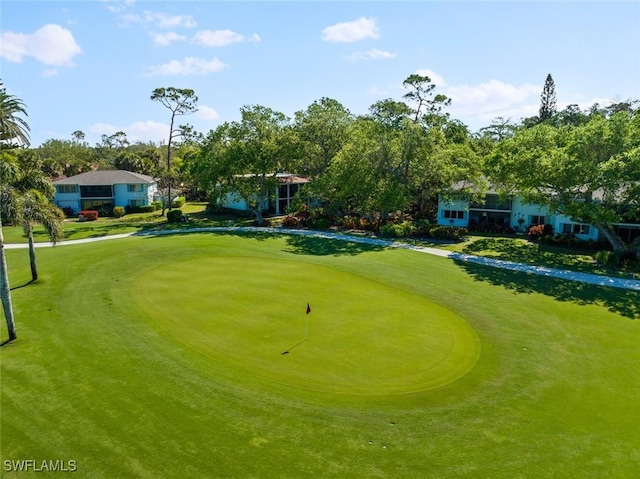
[(118, 211)]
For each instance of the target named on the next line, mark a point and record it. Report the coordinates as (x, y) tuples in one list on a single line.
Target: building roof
[(105, 177), (280, 177)]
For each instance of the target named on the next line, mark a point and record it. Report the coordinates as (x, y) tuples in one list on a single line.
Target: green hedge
[(174, 216), (179, 202)]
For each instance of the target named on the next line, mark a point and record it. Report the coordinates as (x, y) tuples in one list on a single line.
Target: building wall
[(520, 209), (453, 213), (528, 212), (122, 196)]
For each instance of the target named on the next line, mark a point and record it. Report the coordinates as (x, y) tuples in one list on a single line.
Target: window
[(96, 191), (286, 193), (67, 188), (136, 188), (576, 229), (136, 203), (453, 214), (537, 220)]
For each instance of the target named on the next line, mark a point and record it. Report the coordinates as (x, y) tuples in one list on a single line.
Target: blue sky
[(92, 65)]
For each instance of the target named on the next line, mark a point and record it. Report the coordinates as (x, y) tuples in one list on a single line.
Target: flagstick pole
[(306, 334)]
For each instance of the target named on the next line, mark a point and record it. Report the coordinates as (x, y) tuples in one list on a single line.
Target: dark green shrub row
[(155, 206), (448, 233), (571, 241), (423, 229)]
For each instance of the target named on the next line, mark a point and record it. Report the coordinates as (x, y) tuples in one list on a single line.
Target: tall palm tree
[(14, 130), (5, 291), (8, 171), (35, 208)]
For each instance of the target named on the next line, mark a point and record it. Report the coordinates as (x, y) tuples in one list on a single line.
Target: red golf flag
[(308, 308)]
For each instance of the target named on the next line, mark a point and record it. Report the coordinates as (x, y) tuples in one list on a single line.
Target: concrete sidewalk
[(631, 284)]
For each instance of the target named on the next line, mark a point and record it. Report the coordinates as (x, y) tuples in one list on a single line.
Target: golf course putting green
[(361, 337)]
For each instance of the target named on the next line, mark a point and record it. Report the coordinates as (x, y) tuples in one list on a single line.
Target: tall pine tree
[(547, 100)]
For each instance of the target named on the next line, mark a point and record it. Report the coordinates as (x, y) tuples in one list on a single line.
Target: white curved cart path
[(631, 284)]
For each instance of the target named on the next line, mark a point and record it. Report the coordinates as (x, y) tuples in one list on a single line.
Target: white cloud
[(494, 94), (433, 76), (188, 66), (159, 19), (117, 6), (50, 72), (165, 39), (221, 38), (137, 131), (348, 32), (373, 54), (206, 113), (477, 105), (51, 45)]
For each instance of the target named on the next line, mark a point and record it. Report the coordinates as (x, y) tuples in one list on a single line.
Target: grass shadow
[(620, 301), (310, 245), (528, 253), (31, 281)]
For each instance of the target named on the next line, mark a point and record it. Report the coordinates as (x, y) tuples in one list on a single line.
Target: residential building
[(102, 190)]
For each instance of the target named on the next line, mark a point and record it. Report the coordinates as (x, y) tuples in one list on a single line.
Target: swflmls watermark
[(34, 465)]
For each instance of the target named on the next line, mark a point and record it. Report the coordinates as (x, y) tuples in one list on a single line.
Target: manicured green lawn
[(162, 357)]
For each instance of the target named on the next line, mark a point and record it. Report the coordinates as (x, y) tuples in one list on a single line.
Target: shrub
[(537, 232), (388, 230), (68, 211), (448, 233), (118, 211), (141, 209), (421, 227), (605, 258), (290, 221), (397, 230), (179, 202), (174, 216), (88, 215), (320, 223), (157, 205)]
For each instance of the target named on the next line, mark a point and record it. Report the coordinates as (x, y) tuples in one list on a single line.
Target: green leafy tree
[(590, 172), (429, 105), (323, 130), (244, 157)]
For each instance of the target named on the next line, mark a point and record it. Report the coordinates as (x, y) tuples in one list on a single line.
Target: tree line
[(400, 156)]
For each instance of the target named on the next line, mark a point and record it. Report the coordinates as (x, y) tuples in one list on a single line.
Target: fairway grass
[(162, 357)]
